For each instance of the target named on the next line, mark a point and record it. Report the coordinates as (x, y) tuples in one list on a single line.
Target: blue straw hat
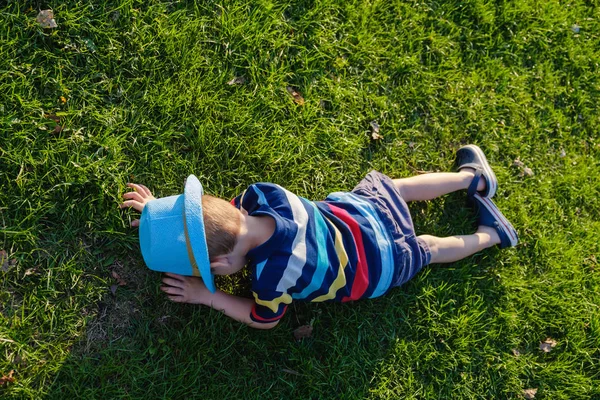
[(172, 234)]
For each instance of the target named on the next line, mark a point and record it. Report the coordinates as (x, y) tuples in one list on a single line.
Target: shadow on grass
[(412, 342)]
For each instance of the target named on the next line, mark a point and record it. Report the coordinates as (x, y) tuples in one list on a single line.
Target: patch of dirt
[(119, 307), (112, 322)]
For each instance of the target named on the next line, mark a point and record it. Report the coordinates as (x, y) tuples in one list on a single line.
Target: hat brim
[(195, 232)]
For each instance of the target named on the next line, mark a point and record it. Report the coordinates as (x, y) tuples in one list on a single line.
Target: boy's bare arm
[(187, 289), (238, 308)]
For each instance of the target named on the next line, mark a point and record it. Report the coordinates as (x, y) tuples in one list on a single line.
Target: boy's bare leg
[(436, 184), (453, 248)]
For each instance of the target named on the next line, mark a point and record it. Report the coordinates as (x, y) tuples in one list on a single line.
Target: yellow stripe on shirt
[(340, 280), (273, 304)]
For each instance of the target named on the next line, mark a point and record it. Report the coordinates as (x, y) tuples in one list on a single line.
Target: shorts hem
[(425, 252)]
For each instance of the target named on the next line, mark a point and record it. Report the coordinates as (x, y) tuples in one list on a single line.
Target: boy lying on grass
[(352, 245)]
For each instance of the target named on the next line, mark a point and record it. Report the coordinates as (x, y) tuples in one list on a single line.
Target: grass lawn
[(142, 91)]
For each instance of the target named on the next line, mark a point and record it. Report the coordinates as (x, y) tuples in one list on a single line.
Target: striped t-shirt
[(333, 250)]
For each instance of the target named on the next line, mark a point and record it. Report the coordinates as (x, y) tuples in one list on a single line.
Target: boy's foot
[(471, 156), (490, 215)]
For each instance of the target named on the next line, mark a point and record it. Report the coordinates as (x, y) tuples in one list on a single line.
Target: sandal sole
[(487, 169)]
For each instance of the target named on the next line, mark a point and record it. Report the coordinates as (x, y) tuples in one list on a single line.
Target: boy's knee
[(431, 242), (402, 189)]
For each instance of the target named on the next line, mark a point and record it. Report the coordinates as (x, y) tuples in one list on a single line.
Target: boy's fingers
[(135, 223), (175, 276), (172, 282), (139, 188), (172, 290), (132, 203), (176, 299), (134, 196), (146, 190)]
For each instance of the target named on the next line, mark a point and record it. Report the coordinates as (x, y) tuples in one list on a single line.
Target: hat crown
[(172, 237)]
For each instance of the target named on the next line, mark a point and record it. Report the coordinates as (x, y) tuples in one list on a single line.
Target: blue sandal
[(490, 215), (471, 156)]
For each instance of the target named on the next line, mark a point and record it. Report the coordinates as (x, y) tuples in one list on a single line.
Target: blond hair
[(221, 224)]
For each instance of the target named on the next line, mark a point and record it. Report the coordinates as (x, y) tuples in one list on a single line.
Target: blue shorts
[(410, 253)]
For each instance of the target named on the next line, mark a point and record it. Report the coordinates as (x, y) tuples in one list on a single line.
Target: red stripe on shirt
[(261, 319), (361, 277)]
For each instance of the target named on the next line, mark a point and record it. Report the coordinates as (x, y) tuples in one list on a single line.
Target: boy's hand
[(185, 289), (188, 289), (137, 199)]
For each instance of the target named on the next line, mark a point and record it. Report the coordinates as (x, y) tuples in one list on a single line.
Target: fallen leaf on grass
[(46, 19), (305, 331), (238, 80), (547, 345), (298, 99), (529, 393), (113, 289), (375, 130), (516, 352), (120, 281), (53, 117), (518, 163), (7, 378), (57, 129), (527, 172), (30, 271)]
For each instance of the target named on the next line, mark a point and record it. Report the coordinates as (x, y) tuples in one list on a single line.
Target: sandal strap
[(473, 186)]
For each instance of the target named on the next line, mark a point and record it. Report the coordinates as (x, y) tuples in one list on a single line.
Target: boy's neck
[(255, 231)]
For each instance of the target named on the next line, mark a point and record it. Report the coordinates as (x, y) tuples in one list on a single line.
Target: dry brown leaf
[(238, 80), (547, 345), (57, 129), (46, 19), (7, 378), (529, 393), (375, 130), (30, 271), (518, 163), (305, 331), (53, 117), (527, 171), (120, 281), (298, 99)]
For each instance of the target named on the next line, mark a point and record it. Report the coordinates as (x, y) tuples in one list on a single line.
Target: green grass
[(147, 100)]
